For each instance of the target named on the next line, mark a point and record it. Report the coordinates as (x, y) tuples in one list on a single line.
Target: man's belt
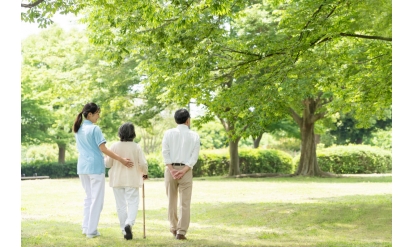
[(178, 164)]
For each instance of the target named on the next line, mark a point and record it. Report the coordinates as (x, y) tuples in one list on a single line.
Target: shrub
[(264, 161), (155, 165), (210, 163), (380, 138), (216, 162), (56, 170), (53, 170), (354, 159), (46, 153)]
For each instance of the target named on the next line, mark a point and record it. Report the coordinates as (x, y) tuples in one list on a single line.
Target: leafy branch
[(31, 5)]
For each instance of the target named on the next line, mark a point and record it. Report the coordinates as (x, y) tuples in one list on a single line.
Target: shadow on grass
[(343, 221)]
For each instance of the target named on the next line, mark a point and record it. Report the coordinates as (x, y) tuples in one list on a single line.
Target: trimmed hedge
[(353, 159), (210, 163), (53, 170), (216, 162), (68, 170)]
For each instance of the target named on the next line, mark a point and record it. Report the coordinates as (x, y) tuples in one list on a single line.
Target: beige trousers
[(179, 221)]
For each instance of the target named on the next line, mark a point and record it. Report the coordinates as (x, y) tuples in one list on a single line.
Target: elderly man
[(180, 150)]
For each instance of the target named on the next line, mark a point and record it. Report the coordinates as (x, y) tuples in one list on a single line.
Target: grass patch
[(225, 212)]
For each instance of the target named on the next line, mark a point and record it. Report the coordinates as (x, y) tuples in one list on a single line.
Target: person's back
[(180, 141), (127, 181), (88, 140), (120, 175), (180, 150)]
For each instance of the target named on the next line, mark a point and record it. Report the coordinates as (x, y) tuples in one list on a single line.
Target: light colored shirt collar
[(182, 127)]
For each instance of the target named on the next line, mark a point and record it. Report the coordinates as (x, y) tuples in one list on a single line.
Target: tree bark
[(308, 163), (31, 5), (366, 36), (256, 141), (233, 147), (234, 157), (359, 140), (62, 153)]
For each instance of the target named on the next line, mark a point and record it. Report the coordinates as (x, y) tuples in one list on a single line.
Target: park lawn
[(225, 212)]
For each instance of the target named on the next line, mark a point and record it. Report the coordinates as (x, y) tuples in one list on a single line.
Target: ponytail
[(88, 108), (77, 122)]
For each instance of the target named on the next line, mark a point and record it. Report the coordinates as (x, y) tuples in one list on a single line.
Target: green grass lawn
[(225, 212)]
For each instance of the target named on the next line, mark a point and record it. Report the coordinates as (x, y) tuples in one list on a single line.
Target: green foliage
[(216, 162), (380, 138), (250, 63), (327, 140), (46, 153), (356, 159), (150, 136), (61, 72), (35, 120), (155, 165), (265, 161), (43, 12), (346, 130), (212, 135), (290, 145), (53, 170), (212, 163), (69, 169)]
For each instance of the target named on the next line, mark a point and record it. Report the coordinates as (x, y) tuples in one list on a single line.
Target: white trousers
[(127, 204), (93, 185)]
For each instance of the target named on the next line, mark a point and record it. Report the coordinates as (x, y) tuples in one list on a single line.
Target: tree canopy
[(251, 63), (60, 73)]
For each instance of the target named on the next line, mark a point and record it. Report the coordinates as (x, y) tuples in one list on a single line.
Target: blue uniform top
[(88, 139)]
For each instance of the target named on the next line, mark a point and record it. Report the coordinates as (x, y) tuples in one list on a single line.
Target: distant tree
[(286, 126), (61, 72), (212, 135), (35, 120), (346, 130)]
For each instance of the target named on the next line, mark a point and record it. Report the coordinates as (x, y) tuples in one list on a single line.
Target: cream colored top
[(119, 174)]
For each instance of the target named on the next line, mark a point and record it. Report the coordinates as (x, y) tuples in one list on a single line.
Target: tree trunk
[(62, 153), (233, 147), (234, 157), (359, 140), (317, 139), (308, 163), (256, 141)]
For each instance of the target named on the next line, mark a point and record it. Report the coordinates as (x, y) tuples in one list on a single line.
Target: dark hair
[(88, 108), (181, 116), (126, 132)]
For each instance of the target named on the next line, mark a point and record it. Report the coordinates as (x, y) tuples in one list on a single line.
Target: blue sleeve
[(98, 136)]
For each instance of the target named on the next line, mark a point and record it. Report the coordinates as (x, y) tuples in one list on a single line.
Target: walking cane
[(144, 223)]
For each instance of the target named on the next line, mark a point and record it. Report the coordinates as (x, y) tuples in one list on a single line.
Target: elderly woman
[(127, 181)]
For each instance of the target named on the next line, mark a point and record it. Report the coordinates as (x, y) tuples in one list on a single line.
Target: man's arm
[(166, 156), (194, 155)]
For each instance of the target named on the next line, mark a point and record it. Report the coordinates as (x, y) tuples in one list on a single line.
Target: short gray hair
[(126, 132)]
